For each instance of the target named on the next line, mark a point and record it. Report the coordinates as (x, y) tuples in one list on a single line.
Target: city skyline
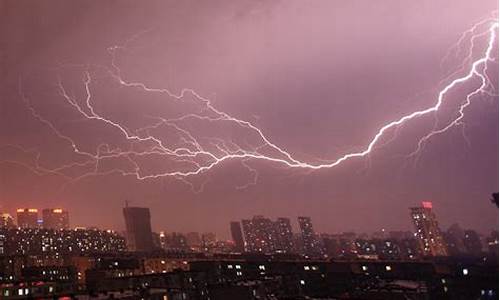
[(58, 218), (249, 149), (279, 85), (258, 235)]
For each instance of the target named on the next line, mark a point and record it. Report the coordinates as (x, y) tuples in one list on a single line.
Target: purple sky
[(319, 78)]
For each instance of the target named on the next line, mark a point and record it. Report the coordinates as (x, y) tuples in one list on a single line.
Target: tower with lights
[(427, 230)]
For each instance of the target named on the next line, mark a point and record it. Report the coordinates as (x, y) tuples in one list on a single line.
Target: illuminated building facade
[(55, 243), (259, 234), (311, 246), (428, 234), (55, 218), (27, 217), (284, 235)]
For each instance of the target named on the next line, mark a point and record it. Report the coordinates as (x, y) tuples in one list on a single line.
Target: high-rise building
[(284, 235), (311, 246), (237, 235), (176, 241), (427, 230), (193, 240), (259, 234), (208, 240), (138, 225), (55, 218), (27, 217)]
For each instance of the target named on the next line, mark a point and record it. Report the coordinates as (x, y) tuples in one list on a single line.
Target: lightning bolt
[(194, 155)]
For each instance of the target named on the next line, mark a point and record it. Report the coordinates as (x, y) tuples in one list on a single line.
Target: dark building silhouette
[(193, 240), (175, 241), (237, 235), (55, 218), (138, 227)]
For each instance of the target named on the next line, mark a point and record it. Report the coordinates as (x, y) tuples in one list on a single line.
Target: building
[(237, 235), (175, 241), (6, 221), (311, 245), (259, 235), (193, 240), (208, 240), (428, 234), (48, 243), (27, 217), (138, 227), (284, 235), (55, 218)]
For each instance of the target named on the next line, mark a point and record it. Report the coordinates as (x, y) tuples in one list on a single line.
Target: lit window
[(365, 268), (388, 268), (465, 271), (229, 266), (302, 282), (306, 268), (238, 267)]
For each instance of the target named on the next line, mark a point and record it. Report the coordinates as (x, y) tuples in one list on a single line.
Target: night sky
[(319, 78)]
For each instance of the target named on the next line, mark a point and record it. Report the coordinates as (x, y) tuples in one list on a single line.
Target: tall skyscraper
[(27, 217), (284, 235), (237, 235), (138, 225), (310, 242), (427, 229), (259, 234), (55, 218)]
